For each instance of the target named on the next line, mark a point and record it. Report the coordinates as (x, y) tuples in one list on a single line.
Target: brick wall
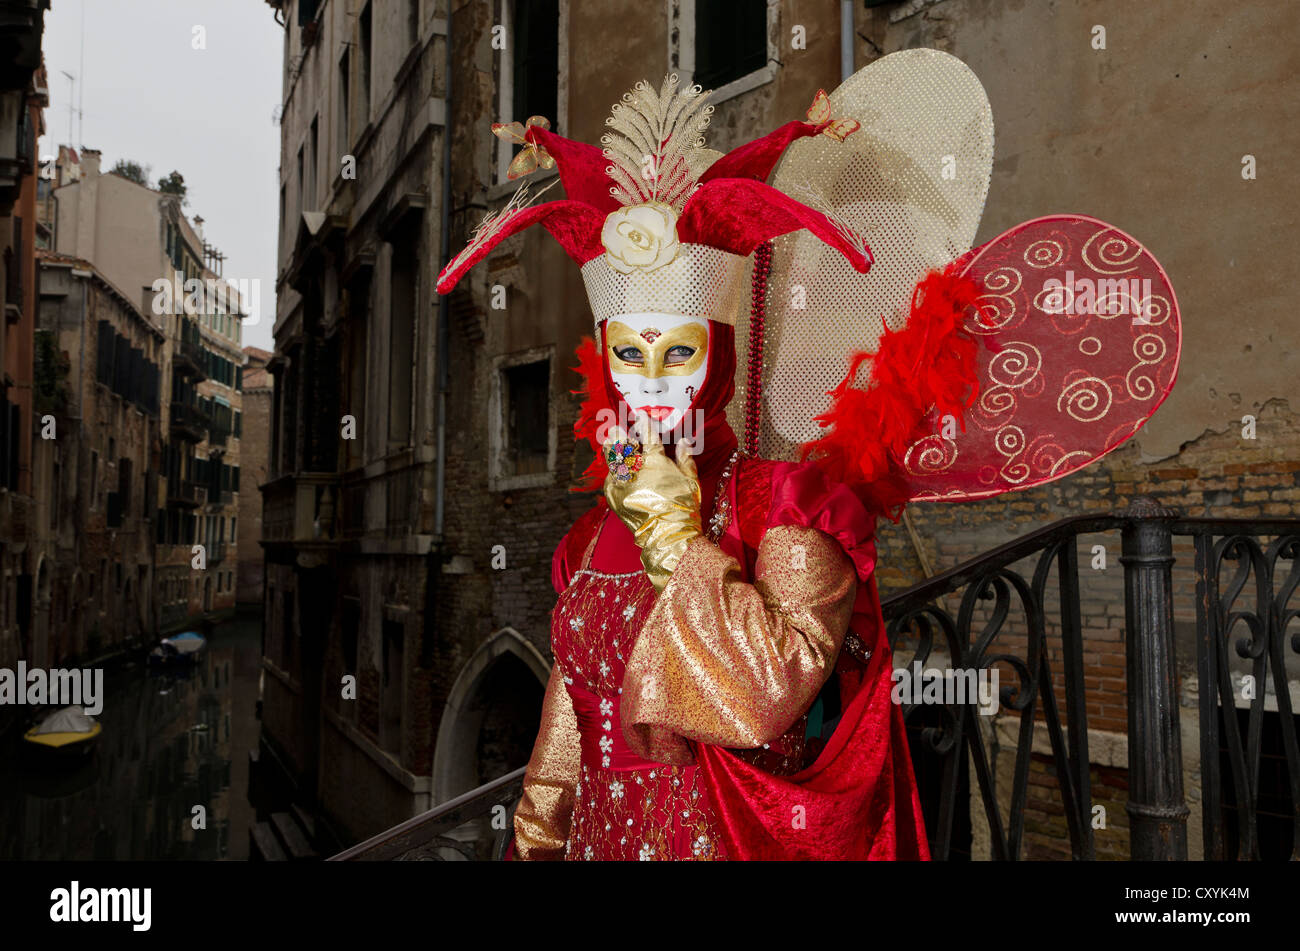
[(255, 448)]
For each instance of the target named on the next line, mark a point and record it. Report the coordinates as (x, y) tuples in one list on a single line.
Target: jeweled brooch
[(624, 460)]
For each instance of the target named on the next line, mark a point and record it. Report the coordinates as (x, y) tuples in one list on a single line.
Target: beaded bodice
[(624, 807)]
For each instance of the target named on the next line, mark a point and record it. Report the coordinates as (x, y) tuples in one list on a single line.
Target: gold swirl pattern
[(1087, 399), (1115, 301), (1016, 365), (996, 309), (1153, 310), (1110, 252), (1003, 281), (930, 455), (994, 312), (1078, 339), (1065, 459), (1014, 472), (1010, 442), (1056, 300), (1045, 253), (1149, 349), (1043, 451), (996, 400)]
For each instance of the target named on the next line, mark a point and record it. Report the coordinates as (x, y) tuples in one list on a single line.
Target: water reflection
[(172, 740)]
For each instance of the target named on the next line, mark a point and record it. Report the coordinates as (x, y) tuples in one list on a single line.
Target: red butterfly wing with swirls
[(1079, 341)]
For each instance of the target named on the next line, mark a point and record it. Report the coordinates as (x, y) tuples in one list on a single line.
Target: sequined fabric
[(701, 282), (731, 663), (920, 112), (656, 811), (543, 816)]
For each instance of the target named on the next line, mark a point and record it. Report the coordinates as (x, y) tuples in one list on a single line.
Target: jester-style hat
[(657, 222), (918, 368)]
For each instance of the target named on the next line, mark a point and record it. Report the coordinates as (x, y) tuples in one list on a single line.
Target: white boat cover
[(185, 645), (67, 720)]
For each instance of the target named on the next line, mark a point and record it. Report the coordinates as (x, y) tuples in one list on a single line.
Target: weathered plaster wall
[(1149, 135)]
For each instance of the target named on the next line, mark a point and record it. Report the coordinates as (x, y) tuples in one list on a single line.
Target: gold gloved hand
[(660, 504)]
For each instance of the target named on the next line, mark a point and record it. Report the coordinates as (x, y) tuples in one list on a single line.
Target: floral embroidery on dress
[(660, 813)]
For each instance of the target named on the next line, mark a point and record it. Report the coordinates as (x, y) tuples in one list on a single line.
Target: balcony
[(185, 493), (188, 422), (188, 357), (298, 515), (221, 423), (216, 552)]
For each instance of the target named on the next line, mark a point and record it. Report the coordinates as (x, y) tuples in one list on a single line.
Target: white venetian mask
[(658, 362)]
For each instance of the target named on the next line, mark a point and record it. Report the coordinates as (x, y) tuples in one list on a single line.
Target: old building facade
[(348, 514), (23, 98), (175, 276), (255, 449), (99, 437)]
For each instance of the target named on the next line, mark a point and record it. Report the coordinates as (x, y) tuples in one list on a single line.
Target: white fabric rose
[(641, 237)]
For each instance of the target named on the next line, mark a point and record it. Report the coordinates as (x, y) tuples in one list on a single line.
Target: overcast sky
[(148, 95)]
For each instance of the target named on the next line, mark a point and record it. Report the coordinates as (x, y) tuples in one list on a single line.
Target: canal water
[(171, 742)]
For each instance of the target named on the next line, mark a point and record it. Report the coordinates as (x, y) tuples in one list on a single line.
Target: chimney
[(67, 166), (198, 226), (89, 163)]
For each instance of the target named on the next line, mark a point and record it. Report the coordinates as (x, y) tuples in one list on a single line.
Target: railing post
[(1156, 807)]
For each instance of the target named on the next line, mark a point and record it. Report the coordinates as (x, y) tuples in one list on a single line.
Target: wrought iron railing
[(427, 836), (963, 613), (1219, 541)]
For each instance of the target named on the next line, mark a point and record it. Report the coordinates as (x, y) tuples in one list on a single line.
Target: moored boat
[(182, 649), (67, 733)]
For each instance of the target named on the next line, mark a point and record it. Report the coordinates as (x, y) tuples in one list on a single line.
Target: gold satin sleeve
[(734, 664), (546, 807)]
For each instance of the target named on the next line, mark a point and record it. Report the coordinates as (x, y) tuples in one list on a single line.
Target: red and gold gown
[(674, 727)]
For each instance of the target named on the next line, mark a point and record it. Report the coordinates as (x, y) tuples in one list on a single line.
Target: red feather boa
[(929, 364), (594, 401)]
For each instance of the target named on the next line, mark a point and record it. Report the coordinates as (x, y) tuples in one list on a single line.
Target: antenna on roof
[(72, 96)]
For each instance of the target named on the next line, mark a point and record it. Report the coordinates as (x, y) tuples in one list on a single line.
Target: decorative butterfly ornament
[(531, 157), (819, 114)]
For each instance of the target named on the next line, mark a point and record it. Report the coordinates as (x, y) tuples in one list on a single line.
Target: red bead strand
[(757, 315)]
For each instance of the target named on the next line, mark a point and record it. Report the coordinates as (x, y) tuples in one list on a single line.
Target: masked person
[(722, 678)]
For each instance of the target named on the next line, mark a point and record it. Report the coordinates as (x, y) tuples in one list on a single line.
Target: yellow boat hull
[(61, 741)]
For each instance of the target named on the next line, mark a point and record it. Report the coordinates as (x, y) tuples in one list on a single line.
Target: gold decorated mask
[(658, 362)]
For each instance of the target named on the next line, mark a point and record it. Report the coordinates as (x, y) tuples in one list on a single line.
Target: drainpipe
[(846, 39), (83, 278), (435, 556)]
